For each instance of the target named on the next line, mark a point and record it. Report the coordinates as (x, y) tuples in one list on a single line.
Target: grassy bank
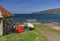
[(33, 35), (47, 29)]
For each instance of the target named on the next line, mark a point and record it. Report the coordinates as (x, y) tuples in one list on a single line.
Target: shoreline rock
[(54, 25)]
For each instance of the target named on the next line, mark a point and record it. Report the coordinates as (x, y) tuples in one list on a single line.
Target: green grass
[(33, 35), (47, 29)]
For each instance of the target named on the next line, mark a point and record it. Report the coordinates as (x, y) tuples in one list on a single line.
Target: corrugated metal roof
[(4, 11)]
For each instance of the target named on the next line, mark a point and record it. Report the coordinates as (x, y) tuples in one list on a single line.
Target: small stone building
[(6, 21)]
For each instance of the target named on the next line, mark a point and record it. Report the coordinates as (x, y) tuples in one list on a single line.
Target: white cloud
[(20, 5)]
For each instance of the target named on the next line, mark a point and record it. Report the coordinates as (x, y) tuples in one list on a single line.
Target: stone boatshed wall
[(5, 21)]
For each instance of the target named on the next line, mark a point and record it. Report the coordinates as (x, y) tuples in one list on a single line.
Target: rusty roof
[(4, 11)]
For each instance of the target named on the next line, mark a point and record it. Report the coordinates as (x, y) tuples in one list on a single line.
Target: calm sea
[(38, 17)]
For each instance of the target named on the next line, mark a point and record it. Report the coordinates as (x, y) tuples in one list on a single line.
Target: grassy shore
[(33, 35)]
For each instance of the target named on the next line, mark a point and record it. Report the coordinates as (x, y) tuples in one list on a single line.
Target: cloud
[(20, 5)]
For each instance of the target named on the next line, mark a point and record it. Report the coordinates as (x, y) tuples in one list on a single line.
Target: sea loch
[(39, 17)]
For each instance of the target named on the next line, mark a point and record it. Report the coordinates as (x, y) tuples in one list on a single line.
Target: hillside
[(49, 11)]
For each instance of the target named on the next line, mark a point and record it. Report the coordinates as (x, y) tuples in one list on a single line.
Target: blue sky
[(28, 6)]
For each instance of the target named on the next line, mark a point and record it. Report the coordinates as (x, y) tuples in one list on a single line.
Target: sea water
[(38, 17)]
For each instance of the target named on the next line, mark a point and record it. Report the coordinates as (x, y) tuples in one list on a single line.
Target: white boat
[(30, 25)]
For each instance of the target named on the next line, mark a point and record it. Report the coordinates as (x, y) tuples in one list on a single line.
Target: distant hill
[(49, 11)]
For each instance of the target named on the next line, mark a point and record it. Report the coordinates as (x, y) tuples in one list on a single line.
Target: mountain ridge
[(49, 11)]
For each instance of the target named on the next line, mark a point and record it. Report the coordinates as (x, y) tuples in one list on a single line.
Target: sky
[(28, 6)]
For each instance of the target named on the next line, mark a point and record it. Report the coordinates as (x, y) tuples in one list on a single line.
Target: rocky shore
[(54, 25)]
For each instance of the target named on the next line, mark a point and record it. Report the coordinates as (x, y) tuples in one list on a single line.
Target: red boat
[(19, 29)]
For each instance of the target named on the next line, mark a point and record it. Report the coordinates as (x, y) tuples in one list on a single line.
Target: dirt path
[(50, 36)]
